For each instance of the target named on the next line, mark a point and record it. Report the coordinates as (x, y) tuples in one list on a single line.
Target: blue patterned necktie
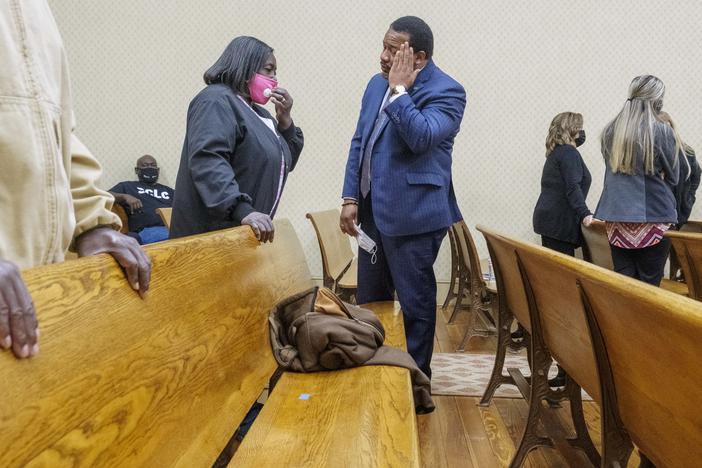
[(366, 166)]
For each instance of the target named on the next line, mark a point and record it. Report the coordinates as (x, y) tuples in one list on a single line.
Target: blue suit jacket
[(411, 186)]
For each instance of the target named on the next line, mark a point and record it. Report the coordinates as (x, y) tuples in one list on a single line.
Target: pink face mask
[(260, 87)]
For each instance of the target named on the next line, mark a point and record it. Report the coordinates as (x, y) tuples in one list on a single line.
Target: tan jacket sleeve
[(92, 205)]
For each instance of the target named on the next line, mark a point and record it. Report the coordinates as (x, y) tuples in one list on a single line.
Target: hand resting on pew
[(126, 250), (262, 226), (18, 321)]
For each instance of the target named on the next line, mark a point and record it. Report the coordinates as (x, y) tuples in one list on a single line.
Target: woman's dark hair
[(239, 62), (421, 37)]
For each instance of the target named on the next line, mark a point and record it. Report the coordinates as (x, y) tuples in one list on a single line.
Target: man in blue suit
[(398, 183)]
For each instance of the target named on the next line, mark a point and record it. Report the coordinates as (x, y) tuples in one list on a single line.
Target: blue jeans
[(153, 234)]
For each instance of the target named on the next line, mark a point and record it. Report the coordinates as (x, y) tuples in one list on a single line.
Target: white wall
[(136, 64)]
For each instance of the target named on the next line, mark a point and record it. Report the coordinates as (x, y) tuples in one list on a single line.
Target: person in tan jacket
[(49, 200)]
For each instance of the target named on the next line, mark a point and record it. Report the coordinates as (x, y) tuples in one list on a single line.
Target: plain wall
[(136, 65)]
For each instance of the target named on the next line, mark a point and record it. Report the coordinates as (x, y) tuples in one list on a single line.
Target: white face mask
[(367, 244)]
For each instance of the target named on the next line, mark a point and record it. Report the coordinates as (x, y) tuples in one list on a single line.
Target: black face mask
[(580, 139), (148, 175)]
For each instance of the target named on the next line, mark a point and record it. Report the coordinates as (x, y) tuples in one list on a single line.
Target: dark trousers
[(404, 264), (558, 245), (647, 264)]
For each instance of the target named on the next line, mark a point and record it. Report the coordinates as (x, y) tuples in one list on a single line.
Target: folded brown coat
[(316, 331)]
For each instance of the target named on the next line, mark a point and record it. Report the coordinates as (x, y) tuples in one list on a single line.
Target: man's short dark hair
[(421, 37), (239, 62)]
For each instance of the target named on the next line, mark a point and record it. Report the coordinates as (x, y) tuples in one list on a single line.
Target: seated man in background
[(48, 195), (142, 199)]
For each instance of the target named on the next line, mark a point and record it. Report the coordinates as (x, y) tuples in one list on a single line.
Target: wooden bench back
[(552, 278), (165, 214), (119, 211), (596, 249), (652, 340), (509, 281), (334, 245), (163, 381), (468, 252), (692, 226), (688, 249)]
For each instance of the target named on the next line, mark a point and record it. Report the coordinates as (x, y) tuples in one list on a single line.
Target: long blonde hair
[(634, 125), (563, 130)]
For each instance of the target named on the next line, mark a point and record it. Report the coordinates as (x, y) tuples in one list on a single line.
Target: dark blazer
[(686, 190), (411, 186), (561, 207), (231, 163)]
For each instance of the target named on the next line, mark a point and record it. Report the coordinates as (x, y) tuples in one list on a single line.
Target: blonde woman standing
[(638, 201), (565, 181), (561, 207)]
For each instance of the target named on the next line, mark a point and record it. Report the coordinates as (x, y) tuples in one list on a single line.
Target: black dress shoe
[(559, 380)]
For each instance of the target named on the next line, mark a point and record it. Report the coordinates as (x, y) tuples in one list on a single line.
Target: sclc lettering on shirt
[(154, 193)]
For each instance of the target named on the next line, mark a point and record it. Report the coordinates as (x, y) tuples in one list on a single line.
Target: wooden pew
[(354, 417), (511, 305), (688, 249), (596, 250), (163, 381), (167, 380), (645, 344), (558, 329), (648, 342), (675, 269), (472, 284)]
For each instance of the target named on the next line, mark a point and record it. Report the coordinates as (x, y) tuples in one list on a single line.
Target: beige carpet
[(463, 374)]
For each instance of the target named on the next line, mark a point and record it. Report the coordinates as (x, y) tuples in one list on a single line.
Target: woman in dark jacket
[(565, 181), (236, 157)]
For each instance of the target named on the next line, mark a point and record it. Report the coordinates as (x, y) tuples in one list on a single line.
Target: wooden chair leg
[(462, 283), (582, 438), (504, 322), (535, 394), (453, 284), (451, 294), (455, 271)]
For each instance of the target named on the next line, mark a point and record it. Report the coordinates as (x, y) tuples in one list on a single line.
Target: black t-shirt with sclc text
[(152, 196)]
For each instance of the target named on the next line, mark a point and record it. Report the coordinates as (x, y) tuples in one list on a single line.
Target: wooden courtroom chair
[(119, 211), (648, 341), (596, 250), (165, 214), (557, 325), (688, 250), (454, 282), (472, 285), (339, 265), (675, 271)]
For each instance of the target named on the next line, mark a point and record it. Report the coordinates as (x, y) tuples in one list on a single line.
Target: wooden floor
[(460, 433)]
